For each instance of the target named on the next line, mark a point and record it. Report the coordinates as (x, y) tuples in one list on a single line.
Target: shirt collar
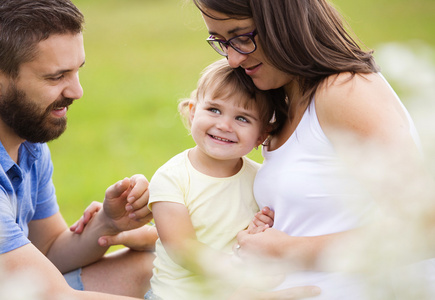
[(28, 153)]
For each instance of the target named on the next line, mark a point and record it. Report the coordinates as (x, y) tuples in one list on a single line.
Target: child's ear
[(191, 106), (264, 134), (262, 137)]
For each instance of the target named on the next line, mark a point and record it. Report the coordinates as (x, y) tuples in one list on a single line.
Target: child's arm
[(178, 236)]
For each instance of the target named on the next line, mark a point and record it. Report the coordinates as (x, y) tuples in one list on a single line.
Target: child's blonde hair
[(221, 81)]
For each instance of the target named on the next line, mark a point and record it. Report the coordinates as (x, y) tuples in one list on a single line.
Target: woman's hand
[(293, 252), (267, 243)]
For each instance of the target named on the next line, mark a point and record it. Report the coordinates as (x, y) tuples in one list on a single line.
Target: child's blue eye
[(242, 119), (215, 110)]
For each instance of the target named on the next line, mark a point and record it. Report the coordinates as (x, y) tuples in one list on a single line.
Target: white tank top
[(306, 184), (312, 194)]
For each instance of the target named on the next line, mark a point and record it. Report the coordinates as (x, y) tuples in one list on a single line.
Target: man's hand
[(124, 207), (89, 212)]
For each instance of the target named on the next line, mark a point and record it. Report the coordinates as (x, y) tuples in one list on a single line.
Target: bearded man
[(41, 53)]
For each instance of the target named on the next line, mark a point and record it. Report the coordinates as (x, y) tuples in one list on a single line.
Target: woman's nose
[(235, 58)]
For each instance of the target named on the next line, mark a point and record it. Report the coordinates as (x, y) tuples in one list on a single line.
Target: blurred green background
[(142, 56)]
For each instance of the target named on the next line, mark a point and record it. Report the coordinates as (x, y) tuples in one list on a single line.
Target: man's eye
[(57, 78)]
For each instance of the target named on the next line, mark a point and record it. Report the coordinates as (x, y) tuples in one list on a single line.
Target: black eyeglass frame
[(250, 35)]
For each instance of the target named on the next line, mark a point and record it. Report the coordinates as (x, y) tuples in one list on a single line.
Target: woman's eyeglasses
[(244, 43)]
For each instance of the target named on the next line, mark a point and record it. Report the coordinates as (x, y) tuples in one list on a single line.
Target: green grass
[(141, 57)]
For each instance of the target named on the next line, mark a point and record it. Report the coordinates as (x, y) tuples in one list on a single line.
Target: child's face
[(224, 129)]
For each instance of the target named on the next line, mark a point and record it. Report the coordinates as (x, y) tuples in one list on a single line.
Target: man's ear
[(5, 82)]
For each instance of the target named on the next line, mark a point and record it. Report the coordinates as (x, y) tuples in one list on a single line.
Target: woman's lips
[(252, 70)]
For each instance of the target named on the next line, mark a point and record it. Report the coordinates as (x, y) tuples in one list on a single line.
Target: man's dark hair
[(25, 23)]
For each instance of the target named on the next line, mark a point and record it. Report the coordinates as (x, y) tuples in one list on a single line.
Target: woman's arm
[(288, 252), (370, 131)]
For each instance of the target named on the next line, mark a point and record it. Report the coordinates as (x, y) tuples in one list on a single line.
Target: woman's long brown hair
[(304, 38)]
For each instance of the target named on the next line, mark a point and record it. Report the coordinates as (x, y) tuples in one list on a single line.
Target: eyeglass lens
[(242, 44)]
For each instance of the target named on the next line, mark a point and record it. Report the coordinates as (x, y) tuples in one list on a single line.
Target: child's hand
[(262, 220), (125, 204), (257, 229)]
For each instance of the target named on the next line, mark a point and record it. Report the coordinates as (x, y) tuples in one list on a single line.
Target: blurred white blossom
[(23, 285)]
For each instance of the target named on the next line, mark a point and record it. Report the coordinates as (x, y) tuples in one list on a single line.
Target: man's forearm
[(71, 251)]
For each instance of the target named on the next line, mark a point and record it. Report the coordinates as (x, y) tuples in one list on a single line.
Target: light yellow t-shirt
[(219, 208)]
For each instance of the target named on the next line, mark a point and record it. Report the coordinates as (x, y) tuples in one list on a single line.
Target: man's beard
[(27, 119)]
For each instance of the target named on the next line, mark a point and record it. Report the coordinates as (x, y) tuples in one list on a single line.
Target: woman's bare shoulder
[(347, 85), (355, 102)]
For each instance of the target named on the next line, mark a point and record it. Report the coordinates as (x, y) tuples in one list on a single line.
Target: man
[(41, 52)]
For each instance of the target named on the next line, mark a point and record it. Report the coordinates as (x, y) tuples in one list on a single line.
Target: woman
[(333, 90)]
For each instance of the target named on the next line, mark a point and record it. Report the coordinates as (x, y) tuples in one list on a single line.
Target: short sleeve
[(26, 193), (46, 201), (169, 183), (11, 235)]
